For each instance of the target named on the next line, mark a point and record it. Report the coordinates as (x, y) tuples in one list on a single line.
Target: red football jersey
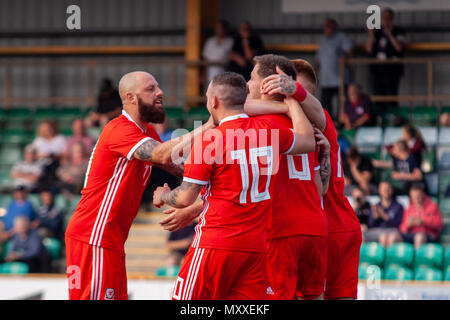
[(114, 185), (296, 206), (341, 217), (236, 169)]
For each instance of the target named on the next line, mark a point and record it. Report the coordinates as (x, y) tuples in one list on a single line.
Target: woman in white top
[(216, 49), (48, 143)]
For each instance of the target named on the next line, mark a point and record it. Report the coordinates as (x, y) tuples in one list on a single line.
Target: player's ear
[(215, 103)]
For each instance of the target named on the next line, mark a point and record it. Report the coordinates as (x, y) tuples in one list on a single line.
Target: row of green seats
[(418, 115), (394, 272), (43, 112), (403, 255)]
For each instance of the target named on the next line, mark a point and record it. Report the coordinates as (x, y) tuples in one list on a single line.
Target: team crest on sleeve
[(109, 294)]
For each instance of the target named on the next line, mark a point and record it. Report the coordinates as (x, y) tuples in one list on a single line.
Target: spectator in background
[(415, 142), (386, 43), (358, 109), (361, 208), (216, 49), (445, 119), (79, 135), (49, 219), (72, 173), (333, 48), (246, 45), (50, 147), (422, 220), (19, 206), (405, 168), (385, 217), (27, 247), (178, 243), (27, 173), (49, 144), (360, 171), (109, 105)]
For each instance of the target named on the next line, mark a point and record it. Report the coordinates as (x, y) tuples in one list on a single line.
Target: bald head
[(142, 97), (132, 81)]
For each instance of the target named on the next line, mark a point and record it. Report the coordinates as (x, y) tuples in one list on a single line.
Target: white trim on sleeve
[(317, 168), (200, 182), (137, 145), (293, 143)]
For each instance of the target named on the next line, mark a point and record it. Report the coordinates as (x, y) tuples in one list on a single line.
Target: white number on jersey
[(303, 175), (255, 153)]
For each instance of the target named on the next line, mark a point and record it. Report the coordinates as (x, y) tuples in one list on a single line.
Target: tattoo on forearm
[(172, 198), (144, 152), (287, 85), (325, 170), (175, 169)]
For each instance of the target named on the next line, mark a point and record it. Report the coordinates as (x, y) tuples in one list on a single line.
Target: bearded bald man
[(118, 171)]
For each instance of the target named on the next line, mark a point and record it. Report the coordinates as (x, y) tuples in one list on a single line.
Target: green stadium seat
[(400, 254), (444, 137), (176, 113), (368, 137), (199, 113), (447, 275), (14, 268), (430, 135), (366, 271), (16, 124), (349, 134), (66, 131), (396, 115), (372, 253), (447, 258), (69, 112), (5, 179), (53, 247), (444, 205), (171, 271), (43, 113), (5, 249), (10, 155), (391, 135), (398, 273), (428, 274), (19, 113), (429, 255), (14, 136), (61, 202), (74, 202), (35, 200), (5, 199), (424, 115)]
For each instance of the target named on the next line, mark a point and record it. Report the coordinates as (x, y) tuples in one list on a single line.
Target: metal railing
[(429, 99)]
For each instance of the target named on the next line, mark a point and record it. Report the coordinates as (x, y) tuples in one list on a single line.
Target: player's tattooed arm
[(180, 197), (281, 83), (171, 154), (156, 152), (324, 159)]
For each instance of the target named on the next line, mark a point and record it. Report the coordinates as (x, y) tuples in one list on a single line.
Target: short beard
[(151, 113)]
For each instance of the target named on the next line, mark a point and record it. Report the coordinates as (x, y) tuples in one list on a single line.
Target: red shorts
[(213, 274), (297, 266), (343, 261), (95, 273)]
